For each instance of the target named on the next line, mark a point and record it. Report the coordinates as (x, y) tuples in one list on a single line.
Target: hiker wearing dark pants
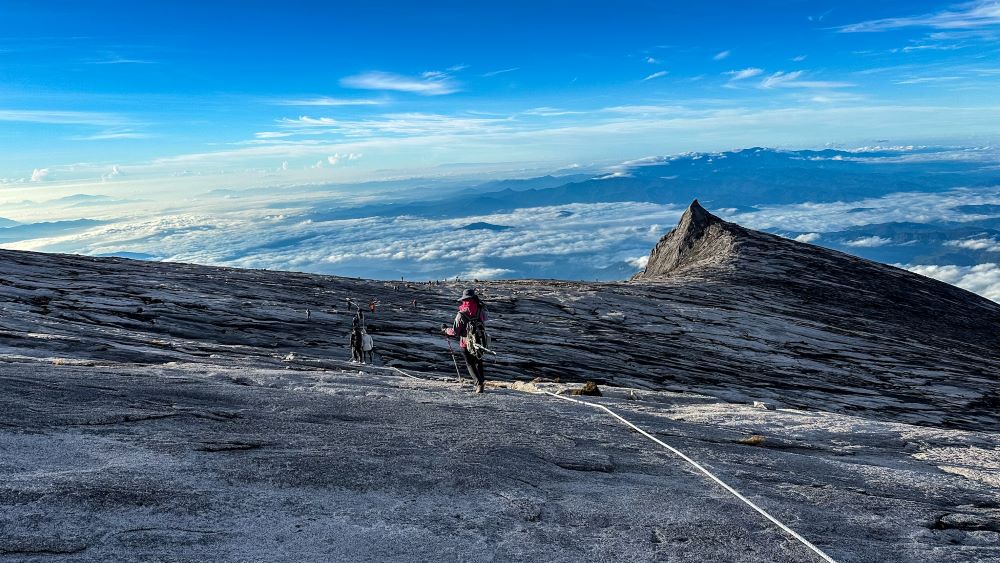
[(357, 353), (475, 366), (470, 327)]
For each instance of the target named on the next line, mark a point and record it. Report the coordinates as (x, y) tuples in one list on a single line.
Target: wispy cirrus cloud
[(62, 117), (743, 74), (546, 111), (655, 75), (327, 101), (431, 83), (968, 15), (112, 134), (721, 55), (393, 124), (792, 80), (501, 71), (929, 79), (819, 17), (121, 61)]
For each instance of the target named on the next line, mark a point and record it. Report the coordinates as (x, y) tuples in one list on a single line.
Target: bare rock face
[(720, 309), (700, 240), (153, 411)]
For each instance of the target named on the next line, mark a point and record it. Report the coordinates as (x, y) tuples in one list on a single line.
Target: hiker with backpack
[(357, 341), (470, 328), (367, 346)]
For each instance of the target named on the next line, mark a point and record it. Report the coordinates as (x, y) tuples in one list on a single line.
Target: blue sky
[(181, 97)]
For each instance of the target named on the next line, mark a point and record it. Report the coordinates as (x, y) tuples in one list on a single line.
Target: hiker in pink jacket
[(470, 327)]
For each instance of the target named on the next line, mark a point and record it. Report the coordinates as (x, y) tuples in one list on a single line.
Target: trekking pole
[(453, 360)]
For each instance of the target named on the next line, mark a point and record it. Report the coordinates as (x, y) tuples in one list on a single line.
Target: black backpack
[(477, 341)]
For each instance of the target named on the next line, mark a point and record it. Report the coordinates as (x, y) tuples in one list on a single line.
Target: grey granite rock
[(172, 412)]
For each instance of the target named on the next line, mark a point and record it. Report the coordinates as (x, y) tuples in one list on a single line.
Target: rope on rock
[(681, 455), (698, 466)]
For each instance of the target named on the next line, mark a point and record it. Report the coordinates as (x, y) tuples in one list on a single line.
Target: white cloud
[(868, 242), (561, 240), (968, 15), (549, 112), (791, 80), (929, 79), (431, 83), (325, 101), (808, 237), (337, 157), (116, 60), (903, 207), (780, 78), (820, 17), (983, 279), (39, 174), (272, 134), (111, 134), (501, 71), (58, 117), (485, 273), (419, 144), (722, 55), (404, 124), (799, 58), (655, 75), (113, 173), (652, 60), (744, 74), (639, 262), (987, 244)]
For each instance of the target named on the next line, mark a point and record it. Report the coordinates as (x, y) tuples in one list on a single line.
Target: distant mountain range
[(739, 180)]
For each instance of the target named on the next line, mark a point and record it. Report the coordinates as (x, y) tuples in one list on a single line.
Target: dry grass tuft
[(754, 440), (589, 388)]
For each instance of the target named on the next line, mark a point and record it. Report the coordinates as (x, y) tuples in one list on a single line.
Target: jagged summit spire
[(696, 218), (699, 239)]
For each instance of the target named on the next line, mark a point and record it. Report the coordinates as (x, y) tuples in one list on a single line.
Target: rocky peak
[(700, 239)]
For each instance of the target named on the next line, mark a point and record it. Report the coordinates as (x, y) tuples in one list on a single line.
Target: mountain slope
[(241, 463), (170, 411), (730, 312)]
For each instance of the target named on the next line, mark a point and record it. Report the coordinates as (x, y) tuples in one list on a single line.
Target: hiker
[(470, 327), (357, 354), (367, 346)]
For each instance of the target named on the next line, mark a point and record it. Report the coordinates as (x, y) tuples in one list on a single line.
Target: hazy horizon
[(282, 136)]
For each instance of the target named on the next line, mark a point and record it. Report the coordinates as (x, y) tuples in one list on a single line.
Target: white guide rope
[(698, 466), (694, 463)]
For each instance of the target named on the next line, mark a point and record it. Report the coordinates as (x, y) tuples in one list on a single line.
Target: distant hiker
[(367, 346), (357, 353), (470, 327)]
